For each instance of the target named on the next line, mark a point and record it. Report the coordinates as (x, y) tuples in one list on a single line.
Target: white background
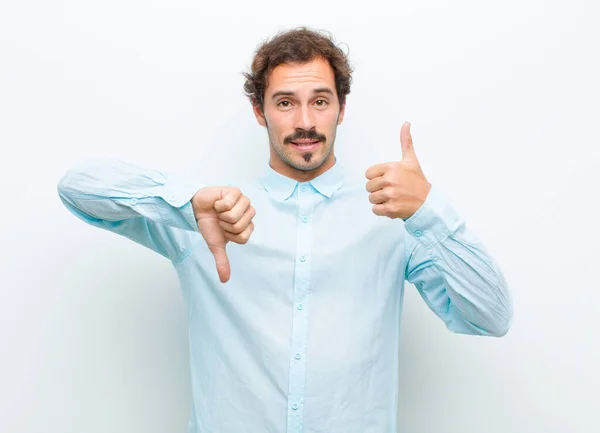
[(503, 100)]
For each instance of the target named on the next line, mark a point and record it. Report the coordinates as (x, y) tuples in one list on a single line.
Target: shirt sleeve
[(148, 206), (453, 272)]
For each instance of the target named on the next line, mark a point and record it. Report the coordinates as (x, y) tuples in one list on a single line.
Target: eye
[(324, 102), (284, 102)]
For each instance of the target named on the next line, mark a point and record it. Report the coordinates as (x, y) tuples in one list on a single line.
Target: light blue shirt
[(304, 336)]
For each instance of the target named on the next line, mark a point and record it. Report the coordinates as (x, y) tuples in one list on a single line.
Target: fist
[(223, 214), (398, 189)]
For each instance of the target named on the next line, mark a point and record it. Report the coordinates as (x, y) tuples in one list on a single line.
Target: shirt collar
[(282, 187)]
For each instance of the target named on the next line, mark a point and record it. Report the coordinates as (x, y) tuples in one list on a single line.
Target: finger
[(379, 197), (375, 171), (241, 225), (222, 262), (243, 237), (406, 142), (380, 209), (229, 197), (377, 183), (234, 214)]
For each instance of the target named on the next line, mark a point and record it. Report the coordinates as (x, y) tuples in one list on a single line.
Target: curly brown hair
[(298, 45)]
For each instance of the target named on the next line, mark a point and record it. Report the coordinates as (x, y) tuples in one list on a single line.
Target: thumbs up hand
[(223, 214), (398, 189)]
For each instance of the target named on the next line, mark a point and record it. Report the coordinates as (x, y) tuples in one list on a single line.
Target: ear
[(260, 118), (341, 114)]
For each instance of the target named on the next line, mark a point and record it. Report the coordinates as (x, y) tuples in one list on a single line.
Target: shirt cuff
[(178, 192), (434, 220)]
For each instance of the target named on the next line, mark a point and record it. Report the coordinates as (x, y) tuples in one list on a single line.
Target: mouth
[(305, 145)]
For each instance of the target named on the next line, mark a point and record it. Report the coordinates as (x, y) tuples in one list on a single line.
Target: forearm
[(147, 206), (112, 190), (454, 272)]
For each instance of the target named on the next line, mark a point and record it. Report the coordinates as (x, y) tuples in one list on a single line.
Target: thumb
[(222, 261), (408, 151)]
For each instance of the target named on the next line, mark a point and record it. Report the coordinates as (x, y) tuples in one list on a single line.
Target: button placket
[(297, 367)]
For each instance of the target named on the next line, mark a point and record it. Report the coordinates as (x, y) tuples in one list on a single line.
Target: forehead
[(294, 76)]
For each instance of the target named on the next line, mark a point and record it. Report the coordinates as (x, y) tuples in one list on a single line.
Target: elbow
[(64, 184), (489, 325), (71, 180), (500, 313), (62, 187), (464, 326), (491, 318), (504, 325), (502, 322), (506, 318), (501, 330)]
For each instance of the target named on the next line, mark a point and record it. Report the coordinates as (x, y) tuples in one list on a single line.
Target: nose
[(304, 119)]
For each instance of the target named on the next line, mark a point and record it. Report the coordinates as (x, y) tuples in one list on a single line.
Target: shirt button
[(134, 201), (295, 406), (298, 356), (303, 188), (300, 306), (303, 258), (304, 219), (418, 233)]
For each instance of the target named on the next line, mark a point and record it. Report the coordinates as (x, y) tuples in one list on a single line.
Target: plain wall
[(503, 100)]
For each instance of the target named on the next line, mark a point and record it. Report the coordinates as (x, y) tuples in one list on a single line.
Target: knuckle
[(228, 217), (227, 203), (245, 236), (246, 202), (223, 224)]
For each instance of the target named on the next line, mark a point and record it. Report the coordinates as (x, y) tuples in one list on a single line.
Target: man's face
[(301, 114)]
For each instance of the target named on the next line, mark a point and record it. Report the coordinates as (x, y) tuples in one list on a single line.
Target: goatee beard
[(307, 157)]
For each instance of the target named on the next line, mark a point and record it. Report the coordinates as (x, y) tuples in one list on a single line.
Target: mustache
[(304, 135)]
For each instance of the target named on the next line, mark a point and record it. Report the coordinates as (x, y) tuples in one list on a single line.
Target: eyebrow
[(315, 91)]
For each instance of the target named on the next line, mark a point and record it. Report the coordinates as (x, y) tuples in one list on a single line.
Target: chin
[(313, 164)]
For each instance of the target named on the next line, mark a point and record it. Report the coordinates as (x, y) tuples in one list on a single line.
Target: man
[(304, 335)]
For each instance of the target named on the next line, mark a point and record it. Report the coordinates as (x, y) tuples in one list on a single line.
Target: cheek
[(279, 126), (332, 118), (329, 125)]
